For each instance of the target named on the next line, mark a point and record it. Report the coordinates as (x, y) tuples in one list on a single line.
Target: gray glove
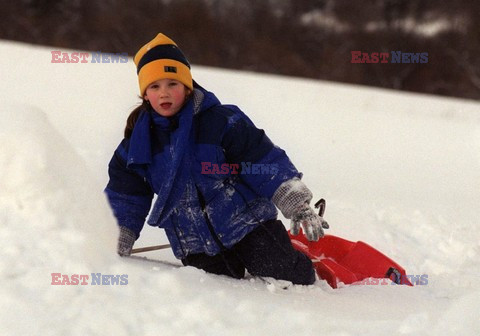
[(126, 240), (311, 222), (293, 198)]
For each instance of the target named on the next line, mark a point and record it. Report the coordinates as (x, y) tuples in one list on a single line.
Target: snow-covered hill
[(399, 171)]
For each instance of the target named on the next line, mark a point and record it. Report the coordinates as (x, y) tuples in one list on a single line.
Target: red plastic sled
[(339, 260)]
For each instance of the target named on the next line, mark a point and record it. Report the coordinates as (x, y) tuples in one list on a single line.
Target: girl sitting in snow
[(206, 162)]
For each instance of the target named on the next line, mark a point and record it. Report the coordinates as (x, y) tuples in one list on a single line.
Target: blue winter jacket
[(214, 174)]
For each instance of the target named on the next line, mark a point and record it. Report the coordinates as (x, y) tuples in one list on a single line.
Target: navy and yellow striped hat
[(159, 59)]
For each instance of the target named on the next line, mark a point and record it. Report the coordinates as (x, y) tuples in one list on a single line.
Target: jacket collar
[(140, 150)]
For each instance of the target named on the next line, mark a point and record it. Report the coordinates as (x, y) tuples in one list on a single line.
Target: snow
[(427, 27), (399, 171), (422, 27), (320, 18)]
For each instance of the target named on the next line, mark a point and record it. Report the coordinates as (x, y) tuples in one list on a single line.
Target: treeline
[(304, 38)]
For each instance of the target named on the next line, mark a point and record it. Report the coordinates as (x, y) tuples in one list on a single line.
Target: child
[(218, 178)]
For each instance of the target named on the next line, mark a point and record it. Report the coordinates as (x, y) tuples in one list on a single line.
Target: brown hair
[(133, 117)]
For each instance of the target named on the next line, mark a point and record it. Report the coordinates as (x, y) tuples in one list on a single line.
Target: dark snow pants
[(266, 251)]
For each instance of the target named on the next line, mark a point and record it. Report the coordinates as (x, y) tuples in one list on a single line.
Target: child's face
[(166, 96)]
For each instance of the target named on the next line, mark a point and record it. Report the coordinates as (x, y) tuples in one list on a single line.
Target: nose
[(163, 91)]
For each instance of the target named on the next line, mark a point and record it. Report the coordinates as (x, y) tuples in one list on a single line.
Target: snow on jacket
[(213, 171)]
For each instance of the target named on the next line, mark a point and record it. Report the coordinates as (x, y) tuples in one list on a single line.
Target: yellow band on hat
[(162, 69)]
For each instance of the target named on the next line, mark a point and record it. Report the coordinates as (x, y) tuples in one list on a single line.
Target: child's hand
[(125, 241), (311, 222), (292, 198)]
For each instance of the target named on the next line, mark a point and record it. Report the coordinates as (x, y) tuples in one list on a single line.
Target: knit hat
[(161, 58)]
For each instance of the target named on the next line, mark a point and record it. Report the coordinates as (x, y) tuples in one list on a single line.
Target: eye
[(153, 86), (173, 84)]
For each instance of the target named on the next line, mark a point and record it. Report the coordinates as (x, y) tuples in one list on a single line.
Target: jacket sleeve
[(263, 165), (129, 195)]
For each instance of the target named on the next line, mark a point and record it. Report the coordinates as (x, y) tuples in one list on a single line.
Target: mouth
[(166, 106)]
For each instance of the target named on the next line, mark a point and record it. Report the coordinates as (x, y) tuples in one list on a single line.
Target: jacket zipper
[(214, 235), (222, 247)]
